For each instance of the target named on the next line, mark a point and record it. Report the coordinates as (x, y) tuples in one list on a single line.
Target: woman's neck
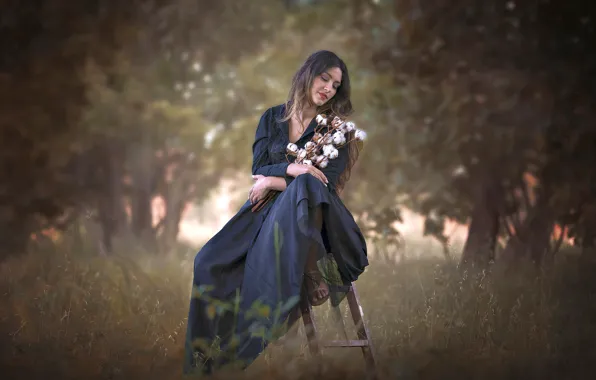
[(306, 114)]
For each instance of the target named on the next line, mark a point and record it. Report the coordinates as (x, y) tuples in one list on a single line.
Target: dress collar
[(285, 126)]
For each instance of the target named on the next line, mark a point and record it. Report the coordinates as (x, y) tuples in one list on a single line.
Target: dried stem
[(317, 147)]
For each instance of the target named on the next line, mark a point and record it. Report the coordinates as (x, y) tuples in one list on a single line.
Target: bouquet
[(324, 146)]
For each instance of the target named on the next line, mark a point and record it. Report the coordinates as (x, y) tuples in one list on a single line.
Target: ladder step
[(346, 343), (363, 341)]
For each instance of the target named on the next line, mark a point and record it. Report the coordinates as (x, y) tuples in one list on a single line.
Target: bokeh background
[(126, 143)]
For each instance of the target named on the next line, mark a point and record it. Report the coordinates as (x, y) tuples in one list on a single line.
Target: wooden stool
[(364, 340)]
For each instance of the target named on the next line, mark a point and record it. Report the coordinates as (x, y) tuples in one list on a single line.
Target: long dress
[(249, 276)]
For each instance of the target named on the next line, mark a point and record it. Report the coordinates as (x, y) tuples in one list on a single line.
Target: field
[(67, 314)]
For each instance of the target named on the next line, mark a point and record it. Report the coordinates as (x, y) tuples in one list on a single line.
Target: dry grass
[(67, 314)]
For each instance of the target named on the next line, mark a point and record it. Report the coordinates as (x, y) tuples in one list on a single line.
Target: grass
[(67, 313)]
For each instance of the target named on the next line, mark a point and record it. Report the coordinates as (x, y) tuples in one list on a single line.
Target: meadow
[(68, 313)]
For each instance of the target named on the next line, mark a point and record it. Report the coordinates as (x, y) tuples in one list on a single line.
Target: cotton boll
[(292, 148), (309, 146), (320, 118), (336, 122), (318, 159), (307, 162), (327, 149), (360, 135), (350, 126), (301, 154), (339, 138), (317, 137), (333, 154), (323, 164)]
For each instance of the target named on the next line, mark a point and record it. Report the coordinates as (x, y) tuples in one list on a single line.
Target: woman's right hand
[(295, 170)]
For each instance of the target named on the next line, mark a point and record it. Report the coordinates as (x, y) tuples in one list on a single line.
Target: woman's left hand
[(259, 189)]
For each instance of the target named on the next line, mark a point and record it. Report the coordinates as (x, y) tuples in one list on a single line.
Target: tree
[(467, 119)]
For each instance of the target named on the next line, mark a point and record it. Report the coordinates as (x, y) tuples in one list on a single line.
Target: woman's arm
[(331, 173), (276, 183), (261, 163)]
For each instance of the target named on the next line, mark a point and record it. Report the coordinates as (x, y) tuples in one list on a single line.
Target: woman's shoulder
[(275, 111), (272, 115)]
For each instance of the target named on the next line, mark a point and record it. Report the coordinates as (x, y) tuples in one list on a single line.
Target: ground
[(68, 315)]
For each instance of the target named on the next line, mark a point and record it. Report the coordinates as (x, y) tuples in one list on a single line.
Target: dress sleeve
[(261, 163), (336, 167)]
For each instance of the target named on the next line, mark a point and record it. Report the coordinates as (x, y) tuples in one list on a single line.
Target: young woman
[(270, 255)]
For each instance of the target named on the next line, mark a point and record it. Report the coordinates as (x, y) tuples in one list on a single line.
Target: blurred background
[(126, 144)]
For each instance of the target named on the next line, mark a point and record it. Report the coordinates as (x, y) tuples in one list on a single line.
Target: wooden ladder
[(364, 340)]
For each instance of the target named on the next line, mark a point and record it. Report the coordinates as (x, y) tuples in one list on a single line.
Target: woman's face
[(325, 86)]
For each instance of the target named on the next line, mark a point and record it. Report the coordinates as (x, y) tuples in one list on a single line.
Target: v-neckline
[(310, 126)]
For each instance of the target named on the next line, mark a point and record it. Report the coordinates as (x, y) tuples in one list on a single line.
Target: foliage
[(466, 105), (472, 110)]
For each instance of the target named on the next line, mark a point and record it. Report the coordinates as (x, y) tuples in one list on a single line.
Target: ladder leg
[(309, 325), (363, 332), (339, 320)]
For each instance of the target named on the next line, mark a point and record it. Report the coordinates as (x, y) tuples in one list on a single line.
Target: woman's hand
[(295, 170), (259, 189)]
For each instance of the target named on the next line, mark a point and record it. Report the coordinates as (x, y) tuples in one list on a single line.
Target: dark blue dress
[(249, 276)]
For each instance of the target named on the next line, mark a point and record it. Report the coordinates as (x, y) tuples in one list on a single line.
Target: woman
[(267, 256)]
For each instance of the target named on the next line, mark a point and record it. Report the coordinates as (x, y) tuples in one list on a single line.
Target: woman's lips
[(323, 96)]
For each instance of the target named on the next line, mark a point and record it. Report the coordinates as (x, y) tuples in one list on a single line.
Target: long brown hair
[(339, 105)]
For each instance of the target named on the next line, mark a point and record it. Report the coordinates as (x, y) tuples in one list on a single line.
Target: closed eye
[(326, 77)]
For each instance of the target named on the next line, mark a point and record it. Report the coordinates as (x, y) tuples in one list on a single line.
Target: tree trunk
[(112, 216), (588, 243), (540, 238), (15, 233), (532, 241), (175, 198), (142, 193), (171, 222), (479, 249), (587, 238), (171, 225)]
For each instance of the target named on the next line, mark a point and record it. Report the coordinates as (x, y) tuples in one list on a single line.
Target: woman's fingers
[(319, 174)]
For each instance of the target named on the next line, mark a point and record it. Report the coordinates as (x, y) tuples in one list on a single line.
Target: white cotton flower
[(350, 126), (330, 151), (318, 159), (301, 154), (324, 162), (329, 139), (360, 135), (337, 122), (309, 146), (317, 137), (292, 148), (307, 162), (333, 154), (339, 138), (327, 149), (320, 118)]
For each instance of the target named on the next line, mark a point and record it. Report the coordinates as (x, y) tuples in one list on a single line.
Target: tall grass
[(67, 313)]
